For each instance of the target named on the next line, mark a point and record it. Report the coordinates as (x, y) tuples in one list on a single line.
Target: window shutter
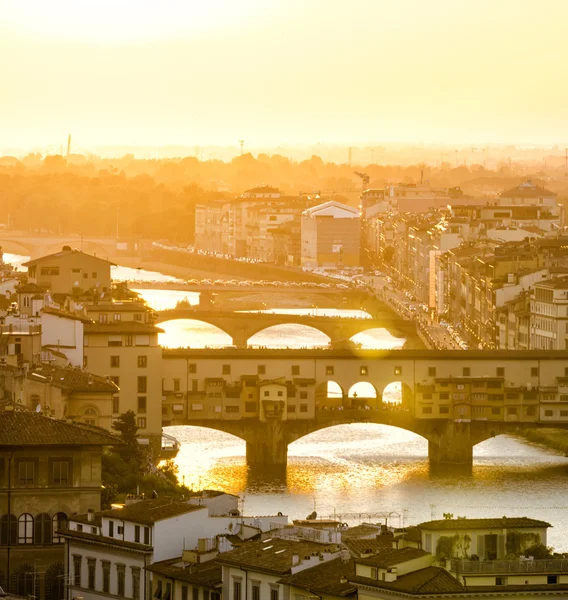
[(481, 546)]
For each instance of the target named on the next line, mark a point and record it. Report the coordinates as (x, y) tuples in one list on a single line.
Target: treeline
[(156, 198)]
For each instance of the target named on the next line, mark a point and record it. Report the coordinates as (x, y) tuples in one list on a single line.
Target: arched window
[(24, 581), (42, 530), (90, 415), (59, 524), (54, 582), (8, 530), (26, 529)]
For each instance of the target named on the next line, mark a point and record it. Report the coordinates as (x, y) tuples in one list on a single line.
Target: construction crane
[(364, 179)]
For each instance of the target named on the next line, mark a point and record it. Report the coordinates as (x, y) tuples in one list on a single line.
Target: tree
[(126, 427), (538, 551)]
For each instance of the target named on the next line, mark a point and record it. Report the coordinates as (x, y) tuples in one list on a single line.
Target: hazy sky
[(282, 71)]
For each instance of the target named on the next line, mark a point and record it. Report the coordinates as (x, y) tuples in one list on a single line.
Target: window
[(511, 410), (106, 576), (59, 523), (142, 384), (158, 590), (444, 410), (500, 371), (195, 594), (94, 274), (60, 472), (280, 393), (273, 593), (303, 395), (142, 362), (26, 529), (192, 368), (120, 580), (135, 583), (141, 340), (329, 370), (552, 579), (534, 371), (431, 371), (115, 340), (266, 393), (291, 408), (137, 317), (261, 369), (111, 529), (176, 385), (141, 422), (49, 270), (466, 371), (363, 370), (444, 396), (103, 318), (236, 590), (76, 570), (137, 533), (42, 530), (564, 413), (303, 408), (115, 404), (226, 370), (295, 369), (232, 409), (531, 411), (427, 396), (147, 536), (116, 317), (398, 370), (26, 472), (256, 591), (184, 592), (91, 569), (426, 410), (500, 581), (548, 413), (495, 411)]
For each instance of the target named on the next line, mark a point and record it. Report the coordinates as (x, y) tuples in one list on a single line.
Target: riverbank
[(553, 439)]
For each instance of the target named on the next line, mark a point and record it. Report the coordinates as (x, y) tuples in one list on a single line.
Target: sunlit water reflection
[(366, 468)]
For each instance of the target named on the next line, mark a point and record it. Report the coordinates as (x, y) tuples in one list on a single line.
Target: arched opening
[(329, 396), (377, 338), (55, 582), (60, 521), (25, 582), (26, 529), (397, 396), (191, 333), (209, 458), (90, 415), (363, 396), (289, 335)]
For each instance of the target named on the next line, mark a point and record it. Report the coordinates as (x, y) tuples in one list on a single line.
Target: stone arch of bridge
[(226, 330), (254, 330), (16, 247)]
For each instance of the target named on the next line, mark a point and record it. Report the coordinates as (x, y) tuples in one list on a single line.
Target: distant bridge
[(241, 326), (37, 244)]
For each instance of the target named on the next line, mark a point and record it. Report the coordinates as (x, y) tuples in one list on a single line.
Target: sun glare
[(122, 21)]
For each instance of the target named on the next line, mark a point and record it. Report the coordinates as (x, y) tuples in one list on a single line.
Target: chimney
[(90, 515)]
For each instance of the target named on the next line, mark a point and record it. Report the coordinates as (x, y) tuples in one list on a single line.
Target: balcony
[(553, 565)]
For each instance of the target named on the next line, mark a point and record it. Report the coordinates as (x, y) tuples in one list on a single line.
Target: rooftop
[(527, 190), (491, 523), (63, 253), (30, 288), (332, 209), (431, 580), (330, 577), (275, 555), (389, 557), (72, 379), (117, 327), (33, 429), (207, 574), (65, 314), (147, 512)]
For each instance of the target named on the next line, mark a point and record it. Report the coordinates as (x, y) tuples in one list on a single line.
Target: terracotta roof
[(207, 574), (527, 190), (431, 580), (389, 557), (117, 307), (412, 534), (147, 512), (33, 429), (272, 555), (123, 327), (330, 577), (360, 546), (360, 531), (65, 314), (491, 523), (72, 379), (58, 255)]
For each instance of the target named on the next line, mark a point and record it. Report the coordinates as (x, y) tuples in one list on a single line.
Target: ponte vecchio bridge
[(454, 399)]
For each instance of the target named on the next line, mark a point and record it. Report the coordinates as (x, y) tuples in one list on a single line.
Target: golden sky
[(283, 71)]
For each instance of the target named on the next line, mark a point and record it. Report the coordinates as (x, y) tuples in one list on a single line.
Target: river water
[(361, 472)]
